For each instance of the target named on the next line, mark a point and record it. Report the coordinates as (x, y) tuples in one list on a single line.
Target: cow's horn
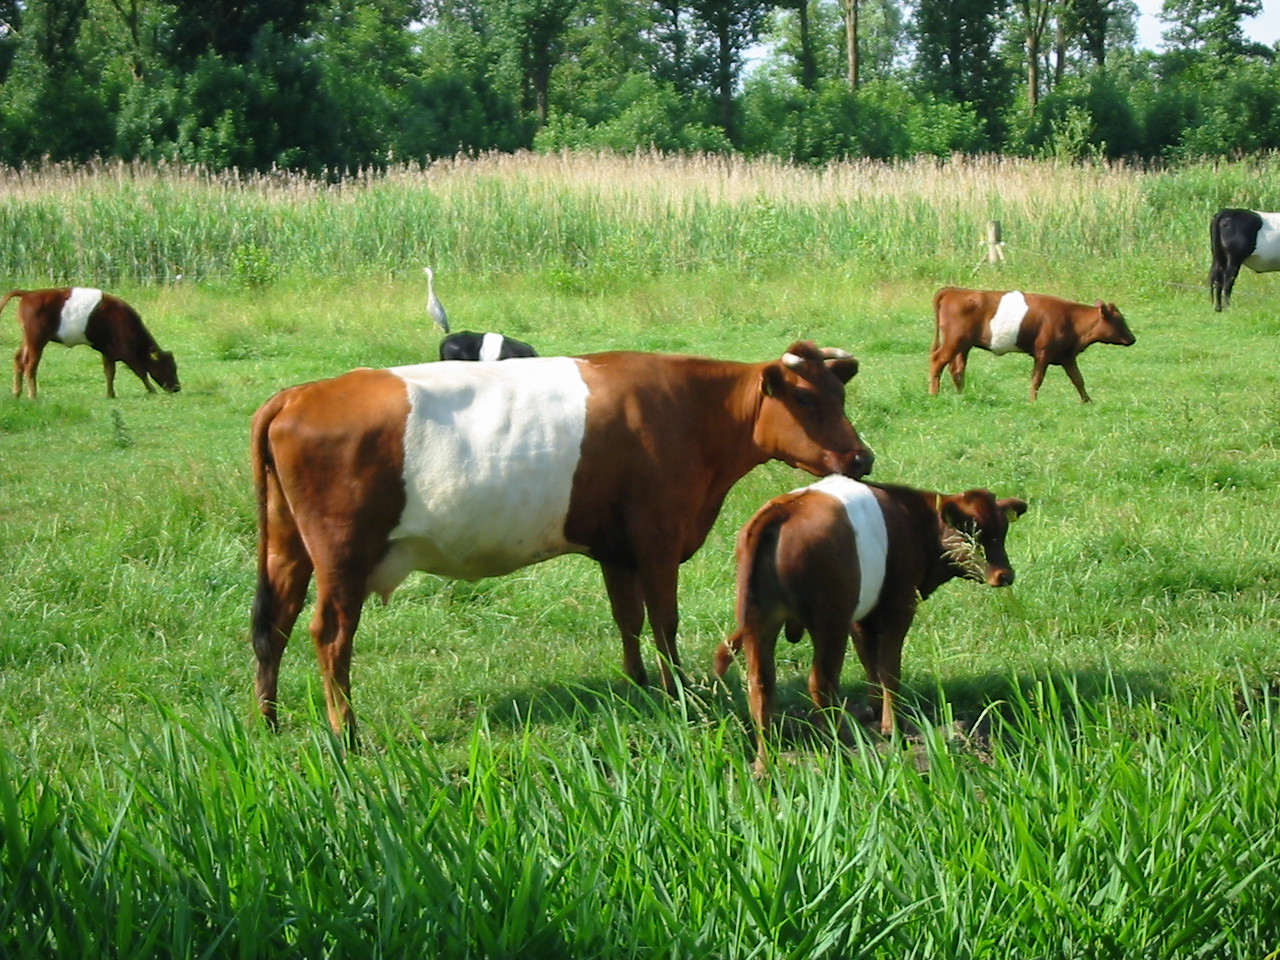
[(793, 361), (835, 353)]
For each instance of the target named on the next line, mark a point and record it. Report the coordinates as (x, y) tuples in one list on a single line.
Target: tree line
[(326, 86)]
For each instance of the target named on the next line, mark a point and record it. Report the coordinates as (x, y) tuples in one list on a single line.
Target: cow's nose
[(1000, 578), (859, 464)]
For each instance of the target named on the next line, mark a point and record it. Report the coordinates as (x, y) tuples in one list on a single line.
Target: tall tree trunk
[(1035, 20), (850, 8), (724, 74), (1059, 51), (808, 66), (1033, 70), (541, 84)]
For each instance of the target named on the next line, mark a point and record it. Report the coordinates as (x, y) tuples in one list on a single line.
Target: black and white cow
[(1237, 237), (483, 346)]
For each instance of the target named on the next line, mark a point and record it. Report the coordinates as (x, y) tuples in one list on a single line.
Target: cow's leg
[(830, 640), (658, 580), (758, 643), (137, 367), (864, 642), (938, 358), (627, 601), (25, 364), (725, 653), (109, 368), (339, 599), (282, 590), (1073, 372), (958, 363), (1229, 280), (886, 638), (1037, 374), (1215, 285)]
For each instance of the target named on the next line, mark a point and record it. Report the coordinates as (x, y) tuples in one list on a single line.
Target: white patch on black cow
[(1266, 249), (1007, 322), (491, 346), (76, 310), (869, 532), (490, 451)]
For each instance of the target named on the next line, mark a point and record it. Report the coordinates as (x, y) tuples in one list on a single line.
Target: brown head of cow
[(474, 470), (1111, 327), (974, 533), (801, 419), (163, 369)]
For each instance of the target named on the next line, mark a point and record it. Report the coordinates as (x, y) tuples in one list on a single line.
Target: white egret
[(435, 309)]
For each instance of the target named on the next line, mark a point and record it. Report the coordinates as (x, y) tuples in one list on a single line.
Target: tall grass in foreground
[(638, 215), (1076, 830)]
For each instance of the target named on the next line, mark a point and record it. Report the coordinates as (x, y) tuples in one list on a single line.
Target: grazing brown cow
[(1051, 329), (75, 315), (841, 556), (475, 470)]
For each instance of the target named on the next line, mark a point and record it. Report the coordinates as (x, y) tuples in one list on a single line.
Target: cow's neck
[(727, 455), (937, 568)]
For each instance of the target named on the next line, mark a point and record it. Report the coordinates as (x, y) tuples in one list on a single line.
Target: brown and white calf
[(841, 556), (76, 315), (473, 470), (1052, 330)]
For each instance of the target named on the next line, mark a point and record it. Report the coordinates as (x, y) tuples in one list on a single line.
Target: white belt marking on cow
[(1007, 322), (869, 533), (490, 451), (81, 302), (1266, 249), (491, 346)]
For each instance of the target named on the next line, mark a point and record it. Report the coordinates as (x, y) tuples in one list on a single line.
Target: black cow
[(483, 346), (1237, 237)]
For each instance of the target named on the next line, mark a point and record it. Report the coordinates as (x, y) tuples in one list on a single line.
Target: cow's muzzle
[(857, 464), (999, 576)]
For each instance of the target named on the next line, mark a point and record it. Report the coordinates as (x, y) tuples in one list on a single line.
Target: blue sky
[(1265, 28)]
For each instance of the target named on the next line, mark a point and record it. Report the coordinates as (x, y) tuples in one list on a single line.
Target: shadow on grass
[(965, 706), (964, 700)]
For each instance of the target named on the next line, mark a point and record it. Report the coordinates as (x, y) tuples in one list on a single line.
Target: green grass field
[(1097, 770)]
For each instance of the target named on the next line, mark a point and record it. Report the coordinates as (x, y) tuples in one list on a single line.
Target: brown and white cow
[(475, 470), (75, 315), (1051, 329), (841, 556)]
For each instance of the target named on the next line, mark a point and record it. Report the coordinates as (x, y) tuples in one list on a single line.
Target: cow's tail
[(757, 581), (264, 475), (1218, 265), (937, 316), (4, 301)]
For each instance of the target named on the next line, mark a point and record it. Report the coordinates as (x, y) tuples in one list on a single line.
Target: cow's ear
[(844, 368), (772, 380), (1013, 507)]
